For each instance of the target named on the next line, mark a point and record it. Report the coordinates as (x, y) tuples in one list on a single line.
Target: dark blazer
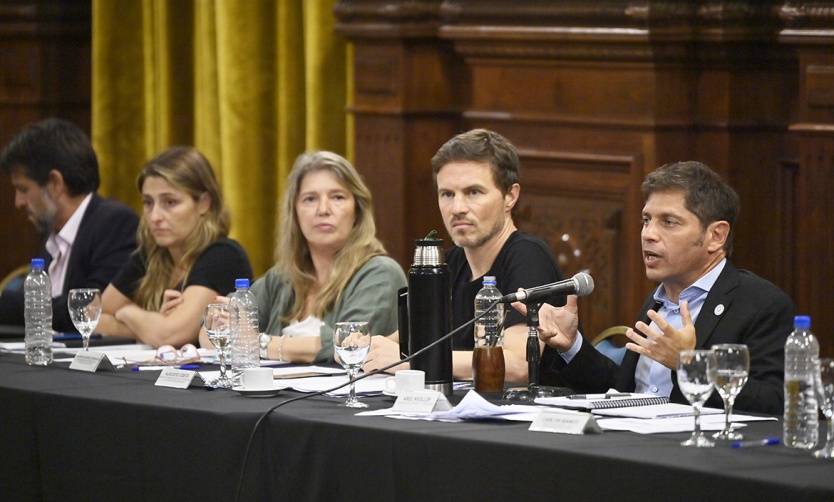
[(755, 313), (105, 239)]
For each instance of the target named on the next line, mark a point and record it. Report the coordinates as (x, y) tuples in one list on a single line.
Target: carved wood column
[(44, 70), (809, 29), (409, 89)]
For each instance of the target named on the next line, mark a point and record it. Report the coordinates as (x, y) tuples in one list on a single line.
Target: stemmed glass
[(218, 329), (352, 341), (824, 387), (732, 365), (84, 307), (696, 378)]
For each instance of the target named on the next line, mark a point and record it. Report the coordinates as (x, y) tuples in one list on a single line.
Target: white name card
[(91, 361), (564, 422), (178, 379), (421, 401)]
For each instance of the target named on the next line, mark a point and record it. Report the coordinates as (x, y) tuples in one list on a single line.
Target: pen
[(758, 442), (160, 367), (72, 336), (598, 396)]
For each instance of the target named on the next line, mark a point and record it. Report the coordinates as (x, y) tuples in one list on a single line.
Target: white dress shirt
[(59, 245)]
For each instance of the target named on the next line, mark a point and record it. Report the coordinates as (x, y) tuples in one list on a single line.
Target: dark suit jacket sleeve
[(105, 239), (588, 371)]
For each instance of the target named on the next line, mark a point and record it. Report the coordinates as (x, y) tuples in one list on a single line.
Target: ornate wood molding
[(387, 19)]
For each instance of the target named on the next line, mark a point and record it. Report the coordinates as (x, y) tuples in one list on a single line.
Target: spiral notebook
[(603, 401)]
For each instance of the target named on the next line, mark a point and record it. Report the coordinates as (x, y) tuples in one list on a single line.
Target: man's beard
[(44, 222), (478, 241)]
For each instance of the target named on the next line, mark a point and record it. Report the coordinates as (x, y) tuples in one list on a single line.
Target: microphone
[(580, 285)]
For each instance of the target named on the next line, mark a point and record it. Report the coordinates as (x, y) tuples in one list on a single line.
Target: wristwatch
[(263, 341)]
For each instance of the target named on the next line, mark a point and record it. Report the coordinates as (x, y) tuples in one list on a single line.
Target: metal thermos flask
[(429, 319)]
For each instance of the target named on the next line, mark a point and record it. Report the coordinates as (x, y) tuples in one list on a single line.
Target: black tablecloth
[(71, 435)]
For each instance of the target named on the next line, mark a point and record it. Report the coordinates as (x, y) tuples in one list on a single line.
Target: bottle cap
[(37, 263), (241, 283), (802, 322), (489, 280)]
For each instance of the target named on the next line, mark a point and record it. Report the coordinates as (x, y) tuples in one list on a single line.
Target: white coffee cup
[(257, 379), (405, 380)]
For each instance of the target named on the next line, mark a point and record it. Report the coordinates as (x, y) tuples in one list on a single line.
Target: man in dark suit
[(88, 239), (702, 300)]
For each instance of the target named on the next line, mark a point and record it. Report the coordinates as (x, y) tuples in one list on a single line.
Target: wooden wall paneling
[(588, 132), (577, 203), (45, 70), (409, 92), (810, 30), (656, 82)]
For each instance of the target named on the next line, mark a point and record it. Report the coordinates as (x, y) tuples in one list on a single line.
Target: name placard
[(176, 378), (565, 422), (421, 401), (91, 361)]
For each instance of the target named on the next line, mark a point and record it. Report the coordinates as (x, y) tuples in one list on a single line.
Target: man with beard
[(88, 239), (477, 174)]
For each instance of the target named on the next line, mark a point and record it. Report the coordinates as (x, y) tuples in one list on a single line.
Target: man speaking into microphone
[(702, 300), (477, 179)]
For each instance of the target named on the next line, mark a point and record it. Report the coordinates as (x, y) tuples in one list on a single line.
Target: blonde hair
[(292, 251), (186, 169)]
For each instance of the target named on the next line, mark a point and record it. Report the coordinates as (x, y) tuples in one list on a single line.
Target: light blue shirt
[(651, 377)]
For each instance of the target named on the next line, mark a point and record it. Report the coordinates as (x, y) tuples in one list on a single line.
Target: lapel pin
[(719, 309)]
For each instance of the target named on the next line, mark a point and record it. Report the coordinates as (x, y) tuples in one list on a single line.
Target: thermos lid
[(428, 252)]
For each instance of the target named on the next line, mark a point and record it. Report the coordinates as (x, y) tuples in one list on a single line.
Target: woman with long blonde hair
[(330, 265), (184, 259)]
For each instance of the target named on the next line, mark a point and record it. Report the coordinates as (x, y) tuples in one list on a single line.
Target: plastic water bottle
[(800, 421), (38, 315), (488, 367), (245, 348), (489, 329)]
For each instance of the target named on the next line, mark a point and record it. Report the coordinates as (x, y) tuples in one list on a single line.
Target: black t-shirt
[(216, 268), (525, 261)]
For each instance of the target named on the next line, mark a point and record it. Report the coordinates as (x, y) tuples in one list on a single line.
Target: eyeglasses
[(166, 354), (169, 356)]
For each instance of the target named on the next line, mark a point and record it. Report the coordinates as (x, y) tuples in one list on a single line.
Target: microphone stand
[(533, 389)]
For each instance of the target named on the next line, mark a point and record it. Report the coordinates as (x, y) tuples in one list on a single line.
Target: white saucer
[(389, 393), (258, 392)]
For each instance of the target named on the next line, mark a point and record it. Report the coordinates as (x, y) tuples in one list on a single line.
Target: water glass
[(352, 341), (696, 379), (732, 367), (824, 387), (84, 305), (218, 329)]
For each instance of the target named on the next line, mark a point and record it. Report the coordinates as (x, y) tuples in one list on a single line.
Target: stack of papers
[(471, 407), (613, 413)]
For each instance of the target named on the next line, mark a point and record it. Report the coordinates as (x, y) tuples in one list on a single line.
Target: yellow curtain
[(252, 84)]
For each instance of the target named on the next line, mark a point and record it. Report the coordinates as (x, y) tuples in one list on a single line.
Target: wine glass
[(732, 365), (84, 307), (696, 378), (352, 341), (824, 387), (218, 329)]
